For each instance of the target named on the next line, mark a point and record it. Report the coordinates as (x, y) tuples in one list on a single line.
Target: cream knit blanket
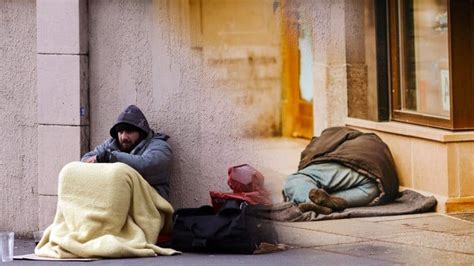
[(105, 210)]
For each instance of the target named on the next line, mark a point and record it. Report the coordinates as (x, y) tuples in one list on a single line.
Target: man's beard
[(127, 146)]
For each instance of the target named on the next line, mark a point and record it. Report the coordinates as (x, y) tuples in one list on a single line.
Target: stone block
[(57, 146), (219, 28), (62, 26), (357, 91), (453, 170), (267, 71), (430, 170), (330, 88), (63, 90), (47, 210), (336, 92), (400, 147), (465, 164), (463, 172)]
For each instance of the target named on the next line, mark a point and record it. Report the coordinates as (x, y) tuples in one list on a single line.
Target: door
[(297, 109)]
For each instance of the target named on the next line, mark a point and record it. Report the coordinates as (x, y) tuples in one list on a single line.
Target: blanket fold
[(105, 210), (408, 202)]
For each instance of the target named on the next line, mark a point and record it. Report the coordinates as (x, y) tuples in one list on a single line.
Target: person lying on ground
[(134, 143), (342, 168)]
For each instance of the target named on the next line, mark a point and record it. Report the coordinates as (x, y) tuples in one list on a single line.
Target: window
[(431, 62)]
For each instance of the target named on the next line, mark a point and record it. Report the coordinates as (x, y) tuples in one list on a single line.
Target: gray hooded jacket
[(151, 157)]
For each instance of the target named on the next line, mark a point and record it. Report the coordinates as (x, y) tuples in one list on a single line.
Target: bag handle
[(232, 207)]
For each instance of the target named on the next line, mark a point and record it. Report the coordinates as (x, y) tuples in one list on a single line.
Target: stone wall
[(18, 116), (429, 160), (208, 81), (330, 65)]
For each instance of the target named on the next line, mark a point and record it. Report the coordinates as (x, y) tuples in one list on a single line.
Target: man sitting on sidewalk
[(115, 202), (133, 142), (342, 168)]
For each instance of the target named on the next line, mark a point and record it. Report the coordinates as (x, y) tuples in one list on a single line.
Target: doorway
[(297, 81)]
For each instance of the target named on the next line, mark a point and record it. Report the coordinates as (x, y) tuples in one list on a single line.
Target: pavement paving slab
[(295, 256), (464, 216), (437, 223), (397, 217), (437, 240), (407, 239), (354, 228), (309, 238), (404, 254)]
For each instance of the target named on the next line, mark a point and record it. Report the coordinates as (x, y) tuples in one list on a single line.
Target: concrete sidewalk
[(426, 239)]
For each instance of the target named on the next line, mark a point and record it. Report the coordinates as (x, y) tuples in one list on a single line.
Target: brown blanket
[(365, 153)]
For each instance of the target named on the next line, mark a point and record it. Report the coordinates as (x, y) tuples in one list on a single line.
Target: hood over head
[(133, 116)]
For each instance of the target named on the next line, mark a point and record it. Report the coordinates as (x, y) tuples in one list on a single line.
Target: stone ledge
[(410, 130), (464, 204), (441, 206)]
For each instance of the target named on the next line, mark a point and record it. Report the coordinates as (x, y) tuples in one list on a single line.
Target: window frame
[(461, 71)]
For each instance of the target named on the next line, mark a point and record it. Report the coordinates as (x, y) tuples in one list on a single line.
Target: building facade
[(218, 76)]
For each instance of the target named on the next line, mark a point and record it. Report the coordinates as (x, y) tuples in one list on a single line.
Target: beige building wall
[(339, 67), (62, 91), (209, 81), (18, 117)]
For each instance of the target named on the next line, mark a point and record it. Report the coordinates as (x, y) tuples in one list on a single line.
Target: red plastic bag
[(244, 178), (247, 185)]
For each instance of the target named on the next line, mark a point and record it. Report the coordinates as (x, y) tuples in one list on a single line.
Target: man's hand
[(103, 157), (92, 159)]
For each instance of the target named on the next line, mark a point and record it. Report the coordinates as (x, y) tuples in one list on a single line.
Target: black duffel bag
[(227, 231)]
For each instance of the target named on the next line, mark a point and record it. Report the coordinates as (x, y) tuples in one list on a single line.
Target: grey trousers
[(334, 178)]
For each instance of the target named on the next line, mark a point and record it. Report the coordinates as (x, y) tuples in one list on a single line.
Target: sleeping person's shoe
[(309, 206), (322, 198)]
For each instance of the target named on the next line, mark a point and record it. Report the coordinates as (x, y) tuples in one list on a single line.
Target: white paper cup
[(6, 246)]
